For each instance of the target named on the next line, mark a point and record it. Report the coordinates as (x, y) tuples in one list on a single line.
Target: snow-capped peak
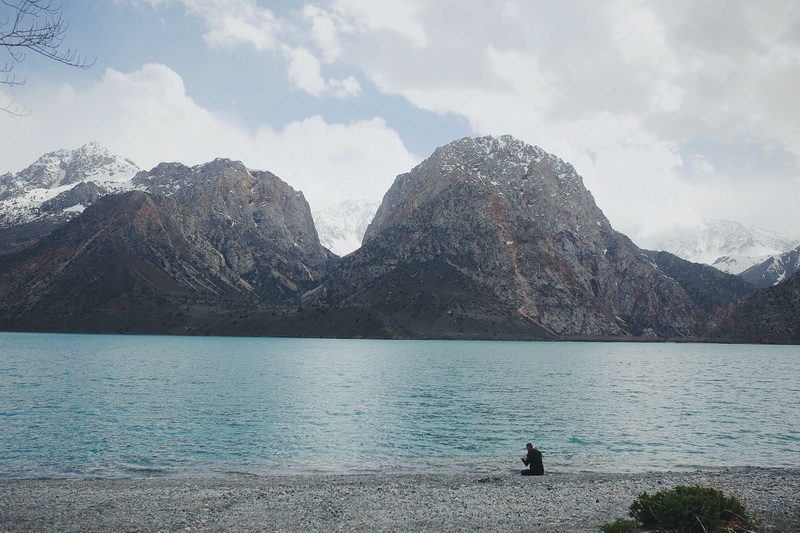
[(90, 162), (24, 193), (341, 227), (730, 246)]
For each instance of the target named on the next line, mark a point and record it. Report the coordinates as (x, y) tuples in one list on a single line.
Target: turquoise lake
[(111, 406)]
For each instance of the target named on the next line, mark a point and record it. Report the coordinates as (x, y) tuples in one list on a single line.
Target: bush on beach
[(620, 526), (685, 509)]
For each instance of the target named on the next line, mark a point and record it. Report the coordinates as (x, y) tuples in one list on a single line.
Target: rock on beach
[(504, 501)]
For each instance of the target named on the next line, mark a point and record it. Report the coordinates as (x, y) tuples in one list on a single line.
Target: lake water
[(90, 405)]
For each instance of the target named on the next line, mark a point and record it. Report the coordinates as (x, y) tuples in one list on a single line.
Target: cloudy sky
[(671, 110)]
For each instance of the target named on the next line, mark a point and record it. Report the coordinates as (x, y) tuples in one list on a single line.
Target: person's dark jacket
[(534, 462)]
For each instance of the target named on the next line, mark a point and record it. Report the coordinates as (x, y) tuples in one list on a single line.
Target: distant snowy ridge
[(341, 227), (729, 246), (45, 188), (774, 270)]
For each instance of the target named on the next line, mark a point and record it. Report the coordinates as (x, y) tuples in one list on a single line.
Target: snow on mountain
[(774, 270), (61, 184), (729, 246), (341, 227), (52, 185)]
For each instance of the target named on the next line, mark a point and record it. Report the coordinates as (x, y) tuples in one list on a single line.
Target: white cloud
[(305, 73), (698, 166), (671, 111), (334, 162), (629, 82), (147, 116), (254, 27), (395, 16), (325, 31), (231, 22)]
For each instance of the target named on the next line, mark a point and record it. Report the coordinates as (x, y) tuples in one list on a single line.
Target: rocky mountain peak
[(257, 200), (504, 169), (774, 269), (60, 185), (503, 162), (518, 227), (91, 161)]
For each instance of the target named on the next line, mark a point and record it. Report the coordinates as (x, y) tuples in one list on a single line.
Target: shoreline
[(562, 501)]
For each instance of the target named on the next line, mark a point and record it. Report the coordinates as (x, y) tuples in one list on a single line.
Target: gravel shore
[(372, 502)]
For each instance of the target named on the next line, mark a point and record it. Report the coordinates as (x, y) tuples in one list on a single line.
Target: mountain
[(487, 238), (128, 258), (41, 190), (729, 246), (261, 225), (774, 270), (341, 227), (710, 289), (56, 188), (218, 240), (58, 170), (492, 237), (769, 315), (61, 184)]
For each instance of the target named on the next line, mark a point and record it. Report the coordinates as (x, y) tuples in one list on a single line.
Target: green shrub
[(619, 526), (689, 509)]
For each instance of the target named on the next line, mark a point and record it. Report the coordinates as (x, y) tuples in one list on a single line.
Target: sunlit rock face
[(518, 226), (207, 241)]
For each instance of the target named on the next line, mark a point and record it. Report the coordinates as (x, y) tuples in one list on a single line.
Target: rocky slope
[(217, 238), (126, 258), (267, 230), (61, 184), (56, 188), (711, 290), (492, 233), (769, 315)]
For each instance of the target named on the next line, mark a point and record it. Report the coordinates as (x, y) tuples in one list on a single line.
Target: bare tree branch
[(38, 26), (16, 110)]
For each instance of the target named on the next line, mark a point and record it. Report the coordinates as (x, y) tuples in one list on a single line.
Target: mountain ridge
[(487, 238), (519, 224), (774, 269), (123, 255), (727, 245), (769, 315), (221, 238)]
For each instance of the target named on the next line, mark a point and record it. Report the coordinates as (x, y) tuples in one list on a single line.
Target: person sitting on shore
[(533, 461)]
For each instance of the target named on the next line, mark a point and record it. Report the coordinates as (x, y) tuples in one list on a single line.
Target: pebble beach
[(375, 502)]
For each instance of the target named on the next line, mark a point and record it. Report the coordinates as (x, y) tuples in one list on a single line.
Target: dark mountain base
[(351, 321), (768, 316)]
